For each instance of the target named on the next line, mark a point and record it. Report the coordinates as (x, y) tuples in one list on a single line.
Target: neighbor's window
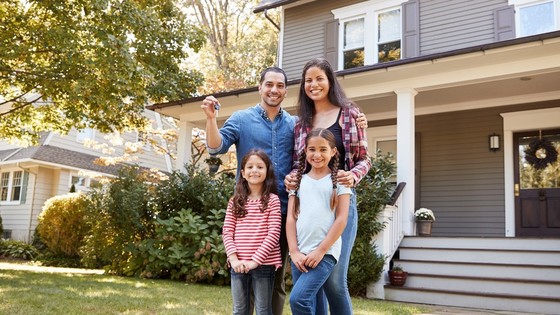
[(84, 134), (536, 17), (370, 33), (10, 186)]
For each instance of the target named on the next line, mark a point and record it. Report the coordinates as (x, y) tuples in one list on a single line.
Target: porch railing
[(388, 240)]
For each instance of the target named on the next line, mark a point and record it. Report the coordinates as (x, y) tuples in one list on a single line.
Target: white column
[(184, 143), (405, 154)]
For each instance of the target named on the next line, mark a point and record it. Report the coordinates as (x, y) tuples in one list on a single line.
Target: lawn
[(29, 292)]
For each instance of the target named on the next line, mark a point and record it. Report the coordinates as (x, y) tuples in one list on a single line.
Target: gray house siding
[(460, 178), (305, 33), (448, 25)]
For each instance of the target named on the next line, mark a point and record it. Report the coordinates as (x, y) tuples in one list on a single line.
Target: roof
[(55, 155), (271, 4), (390, 64)]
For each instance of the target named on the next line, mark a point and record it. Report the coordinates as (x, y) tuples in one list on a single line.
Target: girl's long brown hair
[(242, 187), (333, 165)]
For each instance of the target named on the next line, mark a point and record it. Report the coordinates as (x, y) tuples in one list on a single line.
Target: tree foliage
[(240, 44), (92, 63)]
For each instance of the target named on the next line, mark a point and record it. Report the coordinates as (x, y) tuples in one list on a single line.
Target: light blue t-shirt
[(315, 215), (251, 129)]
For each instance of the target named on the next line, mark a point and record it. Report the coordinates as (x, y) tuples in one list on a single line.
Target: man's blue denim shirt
[(251, 128)]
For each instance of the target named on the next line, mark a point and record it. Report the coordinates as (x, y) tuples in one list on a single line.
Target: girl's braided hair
[(242, 191), (333, 165)]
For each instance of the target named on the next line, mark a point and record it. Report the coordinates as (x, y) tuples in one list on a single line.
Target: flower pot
[(213, 168), (397, 278), (424, 227)]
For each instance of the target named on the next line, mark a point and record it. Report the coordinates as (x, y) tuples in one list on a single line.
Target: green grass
[(28, 292)]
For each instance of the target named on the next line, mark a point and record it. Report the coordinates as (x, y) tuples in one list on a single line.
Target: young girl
[(251, 234), (317, 216)]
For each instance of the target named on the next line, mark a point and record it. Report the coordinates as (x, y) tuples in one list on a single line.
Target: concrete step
[(499, 302), (502, 243), (545, 289)]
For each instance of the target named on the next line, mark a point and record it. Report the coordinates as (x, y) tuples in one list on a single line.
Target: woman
[(322, 103)]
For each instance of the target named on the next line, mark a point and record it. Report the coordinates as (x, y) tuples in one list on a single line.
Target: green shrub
[(188, 247), (120, 217), (373, 192), (17, 249), (62, 225)]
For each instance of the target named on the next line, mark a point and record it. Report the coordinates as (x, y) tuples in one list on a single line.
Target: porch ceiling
[(527, 72)]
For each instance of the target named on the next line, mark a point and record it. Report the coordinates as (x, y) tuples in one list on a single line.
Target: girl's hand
[(290, 182), (239, 266), (314, 258), (345, 178), (300, 260), (250, 265), (361, 121)]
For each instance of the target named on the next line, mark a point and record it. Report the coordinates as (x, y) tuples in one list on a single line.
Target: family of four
[(294, 194)]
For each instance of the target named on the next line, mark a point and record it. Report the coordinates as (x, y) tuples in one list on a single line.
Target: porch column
[(184, 143), (405, 154)]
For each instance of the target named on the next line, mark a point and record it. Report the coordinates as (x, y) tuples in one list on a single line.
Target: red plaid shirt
[(356, 159)]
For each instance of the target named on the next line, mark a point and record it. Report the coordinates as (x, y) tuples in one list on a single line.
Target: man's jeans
[(260, 281), (307, 284)]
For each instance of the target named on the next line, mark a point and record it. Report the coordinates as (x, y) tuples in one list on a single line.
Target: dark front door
[(537, 183)]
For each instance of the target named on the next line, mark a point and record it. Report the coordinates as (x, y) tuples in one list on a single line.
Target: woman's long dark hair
[(306, 106), (242, 187), (333, 165)]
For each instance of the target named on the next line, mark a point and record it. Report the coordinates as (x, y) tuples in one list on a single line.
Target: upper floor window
[(536, 16), (84, 134), (11, 186), (369, 33)]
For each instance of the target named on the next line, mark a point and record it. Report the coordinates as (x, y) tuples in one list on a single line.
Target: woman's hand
[(345, 178), (290, 182)]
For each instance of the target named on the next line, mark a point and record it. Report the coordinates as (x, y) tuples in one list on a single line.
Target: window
[(84, 134), (84, 182), (536, 17), (370, 33), (11, 184)]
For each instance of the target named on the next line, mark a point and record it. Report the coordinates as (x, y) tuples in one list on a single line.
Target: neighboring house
[(29, 176), (438, 80)]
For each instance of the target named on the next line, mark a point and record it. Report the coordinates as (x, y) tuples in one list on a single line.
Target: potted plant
[(214, 163), (397, 276), (424, 220)]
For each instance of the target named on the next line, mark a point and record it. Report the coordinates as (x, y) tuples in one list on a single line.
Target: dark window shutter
[(24, 182), (331, 43), (411, 29), (504, 23)]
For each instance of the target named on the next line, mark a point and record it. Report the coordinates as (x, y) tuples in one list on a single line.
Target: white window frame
[(520, 4), (86, 133), (10, 187), (369, 10)]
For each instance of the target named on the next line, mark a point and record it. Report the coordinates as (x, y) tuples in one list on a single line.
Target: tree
[(239, 43), (92, 63)]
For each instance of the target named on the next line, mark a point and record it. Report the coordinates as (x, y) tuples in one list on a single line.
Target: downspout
[(271, 21)]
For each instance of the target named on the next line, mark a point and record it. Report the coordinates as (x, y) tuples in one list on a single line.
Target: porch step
[(506, 274)]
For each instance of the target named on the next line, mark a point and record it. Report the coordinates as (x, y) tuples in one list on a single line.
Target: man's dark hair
[(273, 69)]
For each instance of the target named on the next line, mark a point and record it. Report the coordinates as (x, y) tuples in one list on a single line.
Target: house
[(31, 175), (459, 91)]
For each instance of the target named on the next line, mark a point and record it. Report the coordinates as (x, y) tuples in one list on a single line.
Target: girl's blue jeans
[(259, 280), (307, 285), (336, 286)]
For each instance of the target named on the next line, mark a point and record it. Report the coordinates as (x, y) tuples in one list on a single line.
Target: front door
[(537, 183)]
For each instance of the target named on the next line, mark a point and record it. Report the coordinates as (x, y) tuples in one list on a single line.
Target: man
[(268, 127)]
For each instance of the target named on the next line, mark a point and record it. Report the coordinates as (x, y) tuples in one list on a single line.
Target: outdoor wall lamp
[(494, 142)]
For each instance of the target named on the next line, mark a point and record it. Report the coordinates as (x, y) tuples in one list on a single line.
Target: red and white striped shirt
[(257, 235)]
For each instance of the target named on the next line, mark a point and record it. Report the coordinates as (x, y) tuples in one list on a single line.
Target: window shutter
[(411, 28), (331, 43), (504, 23), (24, 182)]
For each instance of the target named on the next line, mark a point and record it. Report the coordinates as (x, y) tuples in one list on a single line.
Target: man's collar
[(263, 113)]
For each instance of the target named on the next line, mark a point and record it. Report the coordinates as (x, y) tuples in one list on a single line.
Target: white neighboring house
[(29, 176)]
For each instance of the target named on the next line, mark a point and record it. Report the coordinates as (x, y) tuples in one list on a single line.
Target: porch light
[(494, 142)]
